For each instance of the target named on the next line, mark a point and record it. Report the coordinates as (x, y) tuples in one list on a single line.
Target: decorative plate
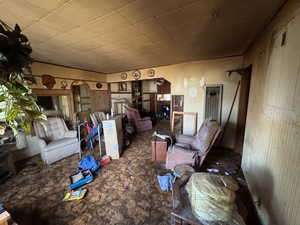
[(63, 84), (48, 81), (99, 85), (136, 74), (151, 73), (123, 76)]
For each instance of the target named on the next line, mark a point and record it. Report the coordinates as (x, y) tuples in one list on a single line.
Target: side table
[(159, 149)]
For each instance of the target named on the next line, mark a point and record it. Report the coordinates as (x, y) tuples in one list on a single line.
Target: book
[(75, 195)]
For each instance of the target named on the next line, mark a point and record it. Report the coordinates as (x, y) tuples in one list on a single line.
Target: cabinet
[(113, 136), (159, 149), (137, 94)]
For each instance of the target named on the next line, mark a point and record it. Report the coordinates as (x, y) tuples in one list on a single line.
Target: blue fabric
[(89, 163), (91, 137), (166, 181)]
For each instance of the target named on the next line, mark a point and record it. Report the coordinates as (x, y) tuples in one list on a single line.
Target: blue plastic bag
[(166, 181), (89, 163)]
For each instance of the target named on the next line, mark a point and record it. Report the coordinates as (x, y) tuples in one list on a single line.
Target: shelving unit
[(137, 99)]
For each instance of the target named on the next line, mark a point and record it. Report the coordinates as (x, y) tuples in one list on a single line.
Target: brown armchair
[(189, 148), (140, 124)]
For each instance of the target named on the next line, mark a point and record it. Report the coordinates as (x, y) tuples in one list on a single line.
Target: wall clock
[(136, 74), (98, 85), (151, 73), (123, 76)]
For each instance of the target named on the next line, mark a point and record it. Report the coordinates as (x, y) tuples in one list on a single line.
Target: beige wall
[(271, 156), (149, 86), (68, 74), (189, 79)]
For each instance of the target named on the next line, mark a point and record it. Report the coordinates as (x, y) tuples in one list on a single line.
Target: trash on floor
[(89, 163), (212, 196), (75, 195), (81, 178), (212, 170), (105, 160), (183, 169), (166, 181)]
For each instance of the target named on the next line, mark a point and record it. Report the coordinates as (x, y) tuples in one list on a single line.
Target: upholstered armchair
[(53, 140), (188, 149), (140, 124)]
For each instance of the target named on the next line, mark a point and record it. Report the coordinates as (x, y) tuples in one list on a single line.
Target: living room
[(145, 90)]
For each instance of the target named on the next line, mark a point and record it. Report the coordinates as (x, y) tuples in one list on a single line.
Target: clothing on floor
[(166, 181)]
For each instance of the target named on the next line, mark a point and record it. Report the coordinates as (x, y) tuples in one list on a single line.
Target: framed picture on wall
[(122, 86)]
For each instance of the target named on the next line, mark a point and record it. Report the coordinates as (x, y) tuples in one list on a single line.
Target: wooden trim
[(69, 67), (146, 92), (195, 114), (73, 79), (121, 92), (99, 90), (52, 92)]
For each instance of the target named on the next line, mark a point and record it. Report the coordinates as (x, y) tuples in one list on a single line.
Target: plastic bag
[(212, 196), (89, 163)]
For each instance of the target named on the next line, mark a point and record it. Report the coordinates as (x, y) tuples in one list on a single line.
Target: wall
[(271, 148), (189, 79), (71, 76), (114, 87), (68, 74), (149, 86)]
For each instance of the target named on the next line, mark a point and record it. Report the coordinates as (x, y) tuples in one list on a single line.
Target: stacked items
[(212, 198), (5, 218), (87, 167)]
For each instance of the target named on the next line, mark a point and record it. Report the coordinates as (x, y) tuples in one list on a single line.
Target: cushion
[(55, 128), (60, 143), (183, 145)]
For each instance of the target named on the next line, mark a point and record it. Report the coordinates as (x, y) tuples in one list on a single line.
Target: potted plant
[(18, 106)]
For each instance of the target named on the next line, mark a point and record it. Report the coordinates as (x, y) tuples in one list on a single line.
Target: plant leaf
[(2, 98)]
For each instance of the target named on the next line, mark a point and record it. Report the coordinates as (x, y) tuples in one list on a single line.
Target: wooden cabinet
[(159, 149)]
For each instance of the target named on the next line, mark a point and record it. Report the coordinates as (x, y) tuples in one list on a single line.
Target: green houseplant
[(17, 102)]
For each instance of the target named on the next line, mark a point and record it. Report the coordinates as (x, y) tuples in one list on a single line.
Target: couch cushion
[(55, 128), (183, 145), (60, 143)]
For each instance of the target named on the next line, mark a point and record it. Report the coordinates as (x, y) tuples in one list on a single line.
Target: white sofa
[(53, 140)]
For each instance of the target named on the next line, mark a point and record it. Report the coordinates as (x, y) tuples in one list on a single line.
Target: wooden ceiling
[(118, 35)]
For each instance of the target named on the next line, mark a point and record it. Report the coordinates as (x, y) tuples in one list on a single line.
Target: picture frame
[(122, 86)]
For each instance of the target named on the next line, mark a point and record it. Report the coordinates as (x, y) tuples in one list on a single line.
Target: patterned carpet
[(126, 192)]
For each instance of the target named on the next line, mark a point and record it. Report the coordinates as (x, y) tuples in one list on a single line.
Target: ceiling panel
[(118, 35)]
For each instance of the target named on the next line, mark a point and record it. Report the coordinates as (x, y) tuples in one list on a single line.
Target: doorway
[(213, 102)]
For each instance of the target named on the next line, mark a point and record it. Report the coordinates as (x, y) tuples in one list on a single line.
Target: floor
[(126, 192)]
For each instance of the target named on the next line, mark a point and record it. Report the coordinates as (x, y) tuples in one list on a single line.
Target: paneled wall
[(271, 159), (68, 75), (100, 97)]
